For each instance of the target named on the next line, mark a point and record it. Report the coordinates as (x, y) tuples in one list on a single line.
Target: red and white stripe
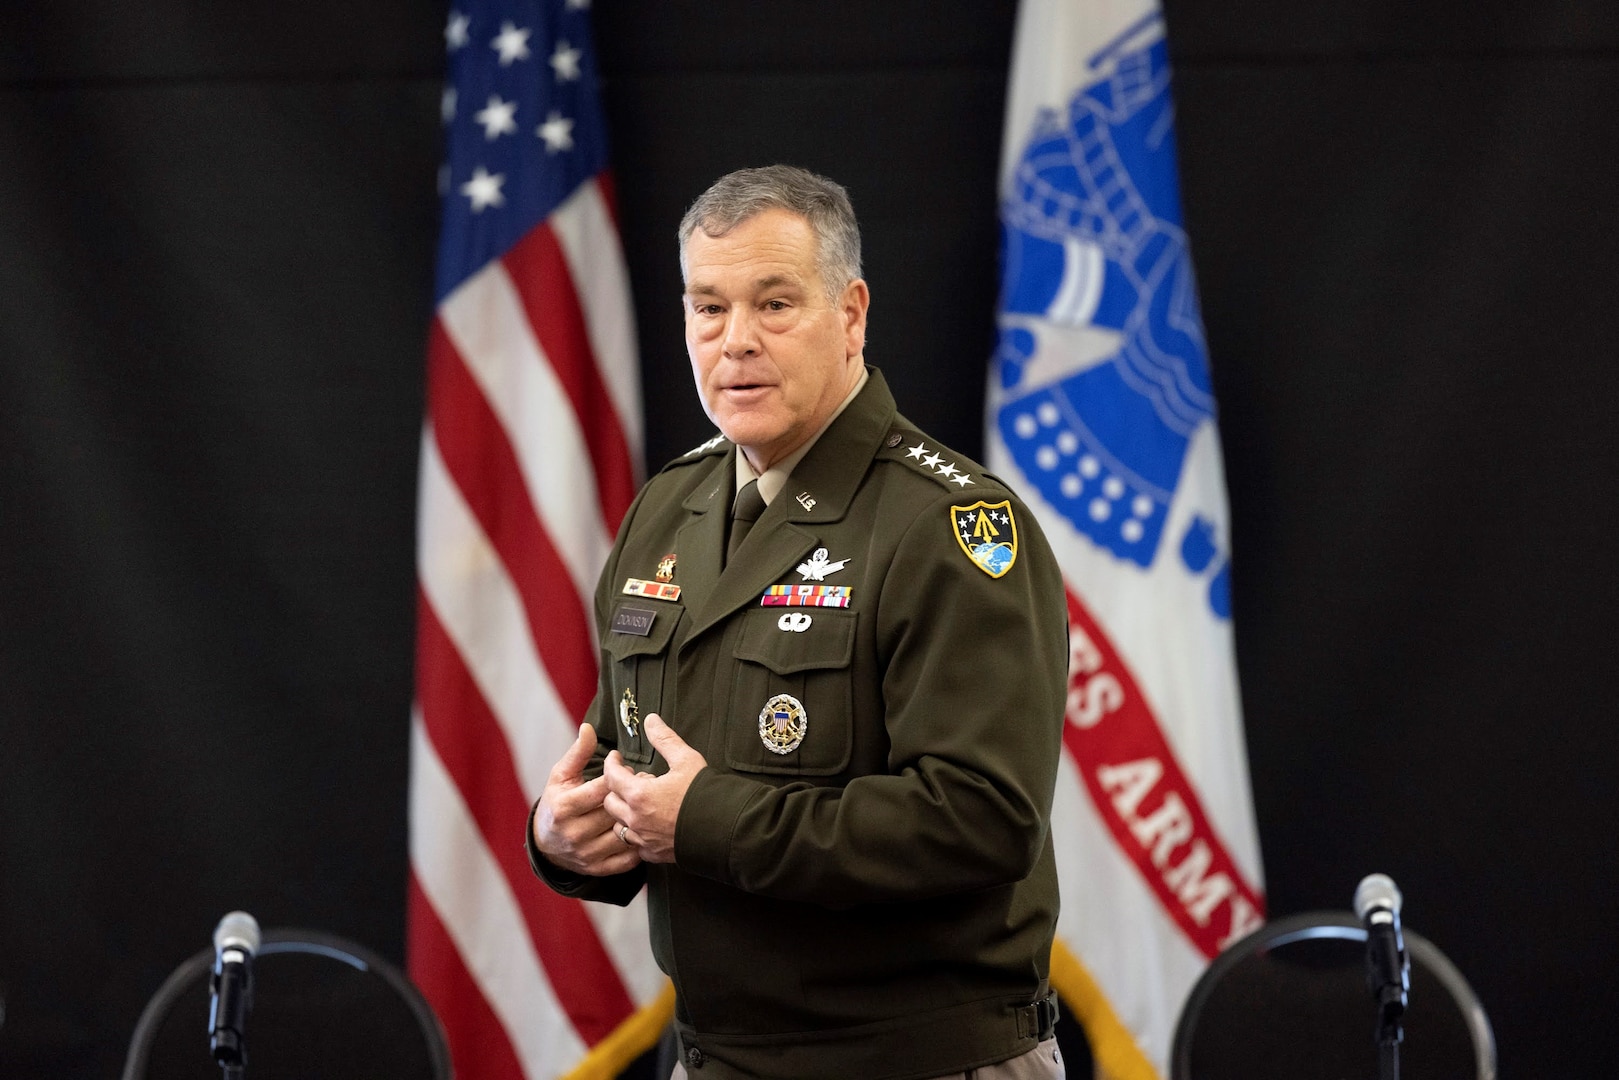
[(529, 461)]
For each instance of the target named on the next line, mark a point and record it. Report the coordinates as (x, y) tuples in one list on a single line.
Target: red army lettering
[(1083, 655), (1096, 698), (1167, 828), (1244, 920), (1167, 836), (1201, 893), (1089, 699)]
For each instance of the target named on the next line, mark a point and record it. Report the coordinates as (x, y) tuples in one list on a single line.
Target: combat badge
[(988, 534), (629, 714), (782, 723), (818, 565)]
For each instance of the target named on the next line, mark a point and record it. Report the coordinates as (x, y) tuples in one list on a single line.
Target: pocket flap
[(624, 636), (826, 640)]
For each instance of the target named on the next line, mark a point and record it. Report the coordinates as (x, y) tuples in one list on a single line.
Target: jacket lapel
[(700, 543), (818, 492), (773, 547)]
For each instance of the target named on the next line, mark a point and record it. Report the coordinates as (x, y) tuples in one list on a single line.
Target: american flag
[(530, 457)]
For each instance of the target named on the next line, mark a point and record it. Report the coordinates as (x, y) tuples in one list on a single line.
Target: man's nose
[(741, 335)]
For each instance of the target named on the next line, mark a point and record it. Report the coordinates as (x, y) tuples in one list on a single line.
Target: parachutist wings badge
[(987, 532)]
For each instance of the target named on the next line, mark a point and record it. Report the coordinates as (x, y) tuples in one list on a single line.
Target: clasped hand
[(622, 817)]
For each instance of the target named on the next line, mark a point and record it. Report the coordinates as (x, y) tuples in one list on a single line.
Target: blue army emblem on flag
[(1103, 368), (987, 532)]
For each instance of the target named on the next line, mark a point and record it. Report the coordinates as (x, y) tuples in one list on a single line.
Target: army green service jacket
[(864, 885)]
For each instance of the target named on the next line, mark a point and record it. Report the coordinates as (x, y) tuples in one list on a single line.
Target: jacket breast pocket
[(791, 694), (638, 674)]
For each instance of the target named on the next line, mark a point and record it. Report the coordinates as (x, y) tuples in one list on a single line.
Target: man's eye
[(775, 305)]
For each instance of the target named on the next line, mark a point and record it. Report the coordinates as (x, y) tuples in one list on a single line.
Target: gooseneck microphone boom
[(1377, 905), (1388, 968), (236, 940)]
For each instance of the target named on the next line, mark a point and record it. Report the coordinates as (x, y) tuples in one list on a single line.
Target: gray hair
[(738, 196)]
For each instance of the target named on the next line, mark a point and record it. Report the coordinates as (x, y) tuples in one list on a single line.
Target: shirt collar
[(775, 478)]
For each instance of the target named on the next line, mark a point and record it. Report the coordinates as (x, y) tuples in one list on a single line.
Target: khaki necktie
[(749, 505)]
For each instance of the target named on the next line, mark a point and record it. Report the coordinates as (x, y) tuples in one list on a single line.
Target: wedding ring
[(621, 830)]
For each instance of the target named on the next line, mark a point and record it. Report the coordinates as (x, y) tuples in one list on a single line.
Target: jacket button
[(694, 1058)]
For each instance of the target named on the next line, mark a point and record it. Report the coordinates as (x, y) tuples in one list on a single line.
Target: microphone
[(1388, 968), (236, 939)]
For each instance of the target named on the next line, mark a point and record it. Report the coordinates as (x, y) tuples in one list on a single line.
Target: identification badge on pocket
[(633, 620)]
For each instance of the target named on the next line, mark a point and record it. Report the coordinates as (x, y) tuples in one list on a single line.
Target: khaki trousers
[(1044, 1062)]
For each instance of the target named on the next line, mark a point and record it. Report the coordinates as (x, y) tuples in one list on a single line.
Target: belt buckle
[(1042, 1018)]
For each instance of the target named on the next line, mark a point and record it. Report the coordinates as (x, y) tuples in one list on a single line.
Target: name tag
[(633, 620)]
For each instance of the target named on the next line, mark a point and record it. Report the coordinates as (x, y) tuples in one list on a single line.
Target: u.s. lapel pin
[(806, 500)]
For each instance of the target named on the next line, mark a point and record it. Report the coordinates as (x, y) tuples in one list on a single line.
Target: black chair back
[(322, 1006), (1291, 1001)]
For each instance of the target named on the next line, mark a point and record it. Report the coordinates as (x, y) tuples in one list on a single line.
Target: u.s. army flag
[(1102, 413)]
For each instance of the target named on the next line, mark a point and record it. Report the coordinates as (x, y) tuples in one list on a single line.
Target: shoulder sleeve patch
[(935, 461), (987, 534)]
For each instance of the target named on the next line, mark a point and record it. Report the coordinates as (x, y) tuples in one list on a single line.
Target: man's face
[(773, 356)]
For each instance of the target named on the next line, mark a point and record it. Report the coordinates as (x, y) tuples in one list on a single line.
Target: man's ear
[(853, 304)]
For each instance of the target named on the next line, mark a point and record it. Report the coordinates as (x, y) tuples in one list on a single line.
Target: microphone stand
[(1388, 968), (1387, 971), (1388, 1047)]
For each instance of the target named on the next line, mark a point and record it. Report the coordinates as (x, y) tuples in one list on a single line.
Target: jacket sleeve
[(973, 691)]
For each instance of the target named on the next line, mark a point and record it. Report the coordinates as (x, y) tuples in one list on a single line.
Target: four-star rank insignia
[(629, 714), (987, 532), (782, 723)]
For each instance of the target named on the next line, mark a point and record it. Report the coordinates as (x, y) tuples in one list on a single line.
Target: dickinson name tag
[(633, 620)]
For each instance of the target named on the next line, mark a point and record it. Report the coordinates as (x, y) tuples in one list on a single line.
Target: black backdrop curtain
[(216, 231)]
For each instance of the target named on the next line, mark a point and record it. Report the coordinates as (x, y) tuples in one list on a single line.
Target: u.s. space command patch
[(987, 532)]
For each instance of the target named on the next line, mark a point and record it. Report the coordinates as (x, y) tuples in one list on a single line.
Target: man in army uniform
[(834, 665)]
